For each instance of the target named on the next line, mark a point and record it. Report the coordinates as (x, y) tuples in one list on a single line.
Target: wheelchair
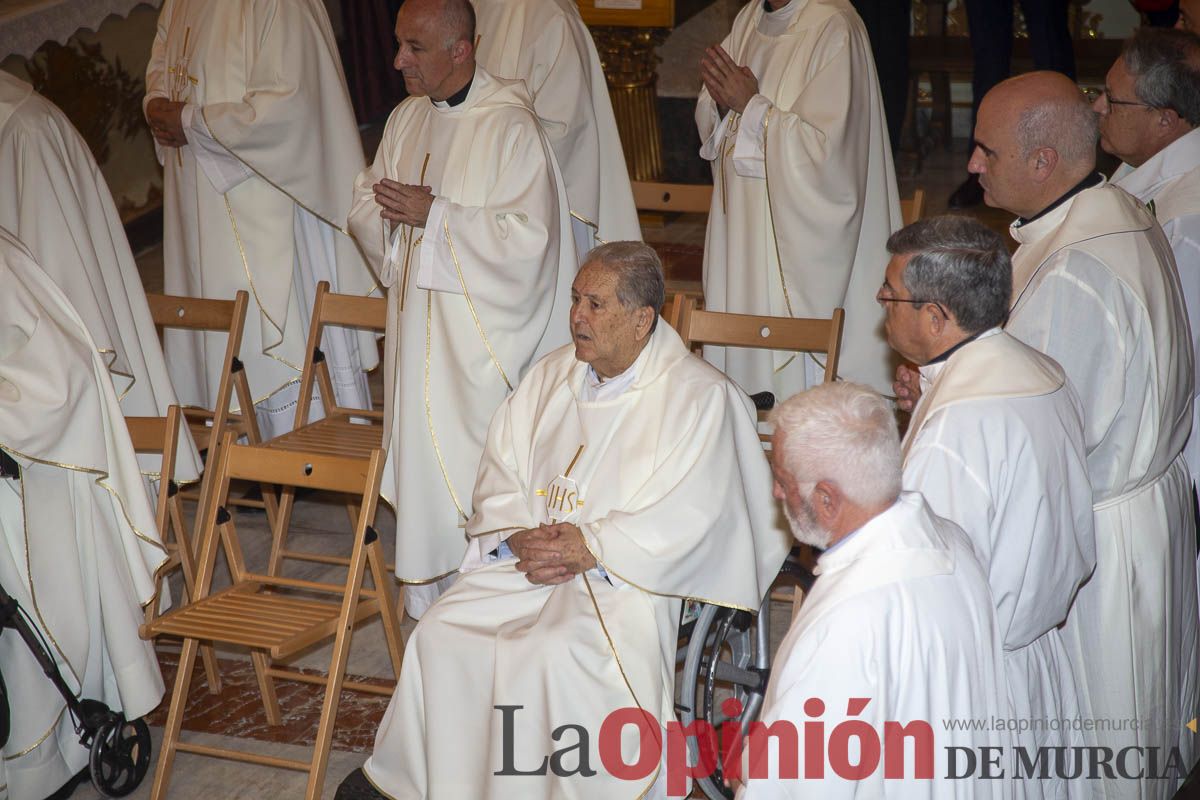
[(728, 655)]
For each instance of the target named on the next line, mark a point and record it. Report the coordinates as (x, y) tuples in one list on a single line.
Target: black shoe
[(763, 401), (357, 787), (968, 194)]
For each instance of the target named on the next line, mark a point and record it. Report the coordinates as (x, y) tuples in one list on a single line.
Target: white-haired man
[(996, 445), (621, 476), (1095, 288), (1149, 113), (898, 628)]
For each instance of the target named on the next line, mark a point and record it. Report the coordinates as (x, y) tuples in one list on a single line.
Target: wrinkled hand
[(166, 124), (551, 554), (402, 202), (731, 86), (907, 387)]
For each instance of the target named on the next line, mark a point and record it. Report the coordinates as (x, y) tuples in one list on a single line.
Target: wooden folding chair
[(351, 432), (672, 310), (160, 436), (771, 333), (277, 617), (681, 198), (208, 426), (913, 208)]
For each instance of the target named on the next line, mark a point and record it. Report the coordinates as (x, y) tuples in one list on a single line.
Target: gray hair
[(843, 433), (960, 264), (640, 281), (1165, 64), (458, 20), (1068, 126)]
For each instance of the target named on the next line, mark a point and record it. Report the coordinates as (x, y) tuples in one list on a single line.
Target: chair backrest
[(672, 310), (913, 208), (349, 311), (766, 333), (677, 197), (159, 436)]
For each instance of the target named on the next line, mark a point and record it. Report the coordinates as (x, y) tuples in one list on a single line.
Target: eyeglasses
[(1092, 94), (913, 302)]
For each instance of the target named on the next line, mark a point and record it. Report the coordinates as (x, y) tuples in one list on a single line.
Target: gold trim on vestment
[(99, 482), (109, 367), (471, 307), (437, 451), (41, 740), (787, 298)]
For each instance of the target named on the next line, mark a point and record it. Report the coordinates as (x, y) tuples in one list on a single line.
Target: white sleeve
[(710, 150), (223, 169), (749, 151), (436, 269)]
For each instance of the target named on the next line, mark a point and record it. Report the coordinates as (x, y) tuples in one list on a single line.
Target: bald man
[(1095, 288), (465, 219)]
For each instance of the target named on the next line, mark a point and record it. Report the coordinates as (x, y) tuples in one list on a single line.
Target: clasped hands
[(166, 122), (730, 86), (551, 554), (403, 203)]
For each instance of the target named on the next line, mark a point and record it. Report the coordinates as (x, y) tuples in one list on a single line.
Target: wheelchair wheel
[(728, 656), (120, 756)]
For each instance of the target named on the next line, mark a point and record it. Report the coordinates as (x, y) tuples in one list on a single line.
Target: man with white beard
[(900, 614), (996, 446)]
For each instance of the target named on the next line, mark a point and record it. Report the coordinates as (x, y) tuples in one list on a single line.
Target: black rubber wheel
[(120, 756)]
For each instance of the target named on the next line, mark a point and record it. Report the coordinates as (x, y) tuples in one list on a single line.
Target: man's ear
[(644, 321), (826, 503), (460, 50), (1043, 161)]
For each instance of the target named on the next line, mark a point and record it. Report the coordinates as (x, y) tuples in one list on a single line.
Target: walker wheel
[(120, 756)]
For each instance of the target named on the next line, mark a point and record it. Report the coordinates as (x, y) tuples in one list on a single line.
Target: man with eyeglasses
[(1148, 117), (996, 446), (1095, 288)]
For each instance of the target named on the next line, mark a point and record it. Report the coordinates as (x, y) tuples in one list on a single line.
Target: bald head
[(435, 46), (1035, 139)]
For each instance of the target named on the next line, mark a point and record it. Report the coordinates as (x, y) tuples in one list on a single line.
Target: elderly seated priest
[(78, 544), (623, 475)]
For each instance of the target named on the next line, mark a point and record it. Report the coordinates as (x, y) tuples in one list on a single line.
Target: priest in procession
[(464, 216)]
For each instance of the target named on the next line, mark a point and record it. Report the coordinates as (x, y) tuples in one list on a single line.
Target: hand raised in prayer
[(166, 124), (907, 387), (402, 202), (552, 554), (731, 86)]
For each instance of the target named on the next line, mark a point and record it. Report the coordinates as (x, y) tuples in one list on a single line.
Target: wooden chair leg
[(797, 600), (283, 518), (388, 609), (179, 694), (187, 564), (266, 687)]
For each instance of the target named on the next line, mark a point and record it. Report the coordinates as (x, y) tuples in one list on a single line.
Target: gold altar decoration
[(630, 62)]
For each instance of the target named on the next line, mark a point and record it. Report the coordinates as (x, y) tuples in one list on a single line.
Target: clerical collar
[(946, 354), (767, 7), (458, 97), (1091, 180)]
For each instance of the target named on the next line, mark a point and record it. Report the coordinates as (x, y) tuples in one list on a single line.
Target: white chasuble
[(498, 252), (673, 497), (546, 44), (996, 446), (804, 192), (54, 199), (1095, 288), (258, 198), (78, 544), (900, 619)]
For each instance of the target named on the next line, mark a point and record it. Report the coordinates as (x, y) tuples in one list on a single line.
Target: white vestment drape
[(804, 192), (78, 544), (901, 616), (672, 492), (546, 44), (258, 197), (996, 446), (497, 253), (54, 199), (1095, 288)]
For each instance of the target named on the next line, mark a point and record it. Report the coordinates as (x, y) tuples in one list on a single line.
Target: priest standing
[(804, 191), (898, 629), (54, 199), (78, 543), (253, 126), (996, 446), (546, 44), (623, 475), (464, 216), (1095, 288)]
